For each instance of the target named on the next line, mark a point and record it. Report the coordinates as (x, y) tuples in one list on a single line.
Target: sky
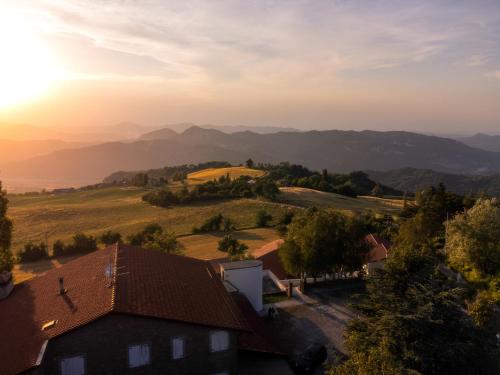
[(428, 66)]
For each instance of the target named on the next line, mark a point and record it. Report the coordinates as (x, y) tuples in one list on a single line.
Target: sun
[(27, 69)]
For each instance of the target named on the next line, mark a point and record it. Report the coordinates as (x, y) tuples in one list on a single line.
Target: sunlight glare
[(27, 69)]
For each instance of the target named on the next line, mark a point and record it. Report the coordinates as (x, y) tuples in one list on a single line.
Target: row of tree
[(223, 188)]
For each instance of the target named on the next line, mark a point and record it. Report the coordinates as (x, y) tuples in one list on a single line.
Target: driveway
[(319, 317)]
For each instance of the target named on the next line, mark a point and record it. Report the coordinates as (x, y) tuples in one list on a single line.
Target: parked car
[(307, 361)]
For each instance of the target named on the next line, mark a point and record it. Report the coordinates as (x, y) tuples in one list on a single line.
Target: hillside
[(337, 151), (412, 180), (214, 173), (483, 141), (308, 198), (117, 209)]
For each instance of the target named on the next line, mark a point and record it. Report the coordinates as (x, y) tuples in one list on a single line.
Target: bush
[(58, 248), (263, 218), (148, 234), (81, 244), (232, 246), (33, 252), (109, 238), (212, 224)]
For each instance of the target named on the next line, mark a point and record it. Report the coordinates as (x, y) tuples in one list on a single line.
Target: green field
[(119, 209), (214, 173), (307, 198), (201, 246)]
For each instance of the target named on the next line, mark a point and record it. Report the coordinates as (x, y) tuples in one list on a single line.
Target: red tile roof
[(268, 255), (258, 340), (379, 248), (144, 282)]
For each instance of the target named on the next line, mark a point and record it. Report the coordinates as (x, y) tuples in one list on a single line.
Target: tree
[(416, 317), (249, 163), (473, 238), (165, 242), (82, 243), (33, 252), (232, 247), (263, 218), (58, 248), (109, 238), (6, 259), (146, 235), (212, 224), (140, 179), (319, 242)]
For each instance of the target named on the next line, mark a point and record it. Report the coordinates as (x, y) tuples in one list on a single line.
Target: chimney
[(6, 284), (61, 286)]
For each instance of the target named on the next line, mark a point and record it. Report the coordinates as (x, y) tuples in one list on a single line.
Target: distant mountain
[(181, 127), (483, 141), (335, 150), (89, 134), (164, 133), (413, 180), (11, 151)]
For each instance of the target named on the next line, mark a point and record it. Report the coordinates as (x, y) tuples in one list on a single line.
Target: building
[(127, 310), (377, 253)]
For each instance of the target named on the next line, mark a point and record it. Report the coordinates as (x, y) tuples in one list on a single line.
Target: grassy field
[(201, 246), (307, 197), (214, 173), (204, 246), (119, 209)]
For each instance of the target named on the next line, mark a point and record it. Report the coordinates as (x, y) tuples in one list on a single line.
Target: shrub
[(81, 244), (263, 218), (33, 252), (232, 246), (109, 238), (212, 224), (146, 235), (58, 248)]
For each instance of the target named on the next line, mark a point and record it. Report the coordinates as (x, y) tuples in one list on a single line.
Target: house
[(127, 310), (377, 253)]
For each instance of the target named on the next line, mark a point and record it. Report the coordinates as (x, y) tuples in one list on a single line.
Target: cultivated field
[(308, 197), (119, 209), (214, 173), (201, 246)]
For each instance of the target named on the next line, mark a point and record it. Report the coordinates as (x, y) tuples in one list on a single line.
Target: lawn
[(308, 197), (119, 209)]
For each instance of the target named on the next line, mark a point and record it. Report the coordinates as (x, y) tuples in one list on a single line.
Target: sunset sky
[(431, 66)]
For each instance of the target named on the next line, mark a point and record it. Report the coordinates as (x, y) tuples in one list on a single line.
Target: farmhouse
[(127, 310), (377, 254)]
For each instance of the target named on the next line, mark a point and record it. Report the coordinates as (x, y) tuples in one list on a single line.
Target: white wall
[(248, 281)]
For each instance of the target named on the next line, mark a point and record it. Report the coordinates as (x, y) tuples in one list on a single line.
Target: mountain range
[(335, 150), (482, 141), (412, 180)]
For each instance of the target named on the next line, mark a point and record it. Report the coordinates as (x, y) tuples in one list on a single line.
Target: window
[(178, 347), (73, 365), (139, 355), (219, 341)]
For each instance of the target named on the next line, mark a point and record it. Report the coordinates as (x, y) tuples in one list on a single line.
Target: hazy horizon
[(383, 65)]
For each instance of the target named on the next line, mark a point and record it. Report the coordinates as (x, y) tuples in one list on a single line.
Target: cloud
[(497, 74)]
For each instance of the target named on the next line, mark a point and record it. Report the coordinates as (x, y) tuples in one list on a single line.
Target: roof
[(144, 282), (378, 248), (258, 339), (268, 255), (240, 264)]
